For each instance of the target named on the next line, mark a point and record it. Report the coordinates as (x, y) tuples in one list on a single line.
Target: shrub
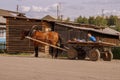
[(116, 52)]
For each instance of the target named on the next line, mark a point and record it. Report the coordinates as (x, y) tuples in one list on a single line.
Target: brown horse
[(49, 37)]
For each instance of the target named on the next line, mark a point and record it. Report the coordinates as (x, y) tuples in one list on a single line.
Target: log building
[(14, 26)]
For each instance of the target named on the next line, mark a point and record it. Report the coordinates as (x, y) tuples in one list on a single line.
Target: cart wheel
[(72, 53), (94, 54), (81, 54), (107, 56)]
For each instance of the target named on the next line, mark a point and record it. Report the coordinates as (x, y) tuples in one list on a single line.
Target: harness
[(33, 29)]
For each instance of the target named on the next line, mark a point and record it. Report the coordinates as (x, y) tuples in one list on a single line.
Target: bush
[(2, 51), (116, 52)]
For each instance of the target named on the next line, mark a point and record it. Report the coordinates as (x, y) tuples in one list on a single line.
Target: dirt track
[(30, 68)]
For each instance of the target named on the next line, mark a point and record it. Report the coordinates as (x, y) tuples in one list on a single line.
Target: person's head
[(89, 35)]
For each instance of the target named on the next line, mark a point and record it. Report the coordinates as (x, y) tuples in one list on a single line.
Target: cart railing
[(89, 43)]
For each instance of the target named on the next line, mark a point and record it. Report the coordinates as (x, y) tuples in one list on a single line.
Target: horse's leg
[(56, 53), (52, 51), (36, 51)]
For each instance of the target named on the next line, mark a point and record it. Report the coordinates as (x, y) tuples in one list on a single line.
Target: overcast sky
[(69, 8)]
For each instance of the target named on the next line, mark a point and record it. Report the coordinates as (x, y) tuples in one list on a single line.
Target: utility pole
[(58, 11), (17, 8), (18, 5), (103, 13)]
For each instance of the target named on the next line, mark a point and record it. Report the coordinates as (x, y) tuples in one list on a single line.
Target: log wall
[(70, 33), (14, 26)]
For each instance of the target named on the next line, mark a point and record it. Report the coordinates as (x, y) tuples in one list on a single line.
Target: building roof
[(107, 31), (110, 31), (49, 18), (83, 25), (25, 18), (9, 13)]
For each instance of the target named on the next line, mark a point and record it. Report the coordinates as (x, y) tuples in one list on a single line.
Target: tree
[(78, 20), (117, 27), (82, 20), (112, 20), (91, 20), (104, 22), (100, 21), (67, 19), (85, 20)]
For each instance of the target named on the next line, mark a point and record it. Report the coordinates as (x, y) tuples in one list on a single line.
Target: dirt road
[(30, 68)]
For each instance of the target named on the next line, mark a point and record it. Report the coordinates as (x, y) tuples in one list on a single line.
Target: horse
[(48, 37)]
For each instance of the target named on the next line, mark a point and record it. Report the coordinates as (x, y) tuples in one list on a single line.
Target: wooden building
[(14, 26), (68, 31), (80, 31), (3, 23)]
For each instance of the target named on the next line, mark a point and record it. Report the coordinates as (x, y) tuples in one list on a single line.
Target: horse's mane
[(26, 32)]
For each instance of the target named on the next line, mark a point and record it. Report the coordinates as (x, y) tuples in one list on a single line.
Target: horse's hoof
[(55, 57), (36, 56)]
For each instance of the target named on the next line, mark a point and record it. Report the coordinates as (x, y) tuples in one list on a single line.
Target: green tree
[(79, 19), (91, 20), (67, 19), (85, 20), (82, 20), (112, 20), (117, 26), (104, 22), (100, 21)]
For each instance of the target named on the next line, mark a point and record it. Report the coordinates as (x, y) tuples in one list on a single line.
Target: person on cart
[(91, 38)]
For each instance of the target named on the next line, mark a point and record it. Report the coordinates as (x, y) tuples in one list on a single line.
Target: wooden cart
[(93, 50), (81, 50)]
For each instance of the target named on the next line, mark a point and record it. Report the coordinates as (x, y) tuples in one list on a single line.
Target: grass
[(15, 54), (116, 52)]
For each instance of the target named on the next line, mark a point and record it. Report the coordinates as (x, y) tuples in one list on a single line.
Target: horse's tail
[(60, 42)]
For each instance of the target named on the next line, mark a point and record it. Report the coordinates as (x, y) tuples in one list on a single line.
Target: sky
[(68, 8)]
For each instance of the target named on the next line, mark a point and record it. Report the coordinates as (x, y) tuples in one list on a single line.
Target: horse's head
[(24, 33)]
